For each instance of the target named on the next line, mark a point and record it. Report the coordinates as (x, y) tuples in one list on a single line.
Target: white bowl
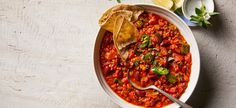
[(189, 6), (188, 35)]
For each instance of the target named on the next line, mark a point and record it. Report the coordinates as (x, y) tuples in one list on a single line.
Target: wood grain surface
[(46, 55)]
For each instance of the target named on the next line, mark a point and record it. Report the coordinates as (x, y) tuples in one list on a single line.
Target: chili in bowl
[(165, 54)]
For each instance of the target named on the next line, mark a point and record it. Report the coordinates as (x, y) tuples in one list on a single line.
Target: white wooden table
[(46, 55)]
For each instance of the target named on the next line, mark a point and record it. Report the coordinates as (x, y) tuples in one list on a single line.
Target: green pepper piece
[(145, 41), (136, 63), (171, 78), (160, 70), (143, 45)]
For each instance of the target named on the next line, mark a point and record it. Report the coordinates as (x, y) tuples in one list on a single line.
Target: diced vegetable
[(131, 55), (148, 57), (136, 52), (136, 63), (170, 59), (143, 67), (140, 93), (116, 80), (159, 37), (171, 78), (154, 62), (160, 70), (178, 57), (145, 41), (143, 45), (158, 54), (184, 49)]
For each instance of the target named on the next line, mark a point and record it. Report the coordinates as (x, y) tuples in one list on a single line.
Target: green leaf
[(198, 12), (118, 1), (178, 11), (204, 25), (203, 8), (214, 13), (200, 17), (171, 78), (207, 22), (194, 18), (160, 70)]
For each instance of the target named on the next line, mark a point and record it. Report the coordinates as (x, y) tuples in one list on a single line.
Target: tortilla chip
[(124, 33), (110, 22), (124, 54), (119, 20), (136, 11)]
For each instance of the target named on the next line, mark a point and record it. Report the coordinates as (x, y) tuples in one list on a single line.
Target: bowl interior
[(186, 32)]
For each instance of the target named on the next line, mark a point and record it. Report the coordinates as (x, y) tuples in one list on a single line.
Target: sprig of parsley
[(202, 16)]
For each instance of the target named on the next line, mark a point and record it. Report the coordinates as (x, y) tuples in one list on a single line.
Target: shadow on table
[(205, 89)]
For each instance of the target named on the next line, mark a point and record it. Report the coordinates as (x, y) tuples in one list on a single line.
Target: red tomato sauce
[(160, 57)]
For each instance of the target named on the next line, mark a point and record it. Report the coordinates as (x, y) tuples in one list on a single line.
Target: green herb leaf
[(205, 25), (198, 11), (171, 78), (160, 70), (178, 11), (118, 1), (207, 22), (201, 15), (214, 13), (203, 8), (195, 18)]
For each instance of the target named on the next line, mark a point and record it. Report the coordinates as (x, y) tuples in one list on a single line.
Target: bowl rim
[(121, 102)]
